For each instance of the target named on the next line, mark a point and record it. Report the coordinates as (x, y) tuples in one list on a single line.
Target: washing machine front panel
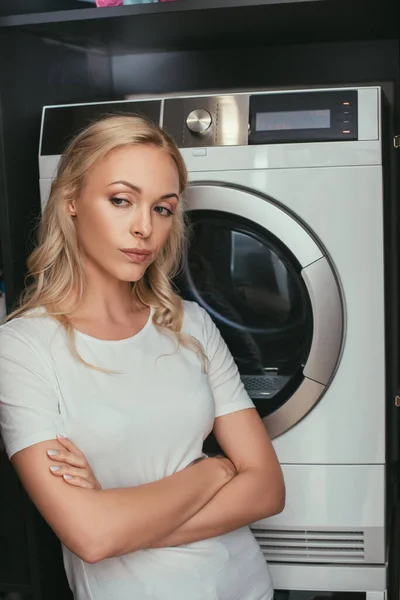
[(271, 292), (341, 207)]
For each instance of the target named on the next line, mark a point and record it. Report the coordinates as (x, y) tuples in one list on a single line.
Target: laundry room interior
[(287, 114)]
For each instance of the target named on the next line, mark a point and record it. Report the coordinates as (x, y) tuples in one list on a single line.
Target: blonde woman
[(109, 384)]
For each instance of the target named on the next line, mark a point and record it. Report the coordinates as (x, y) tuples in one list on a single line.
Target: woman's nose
[(141, 225)]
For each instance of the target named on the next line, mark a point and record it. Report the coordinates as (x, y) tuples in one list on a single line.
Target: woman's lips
[(137, 256)]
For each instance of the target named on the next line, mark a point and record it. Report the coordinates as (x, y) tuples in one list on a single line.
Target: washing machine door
[(271, 291)]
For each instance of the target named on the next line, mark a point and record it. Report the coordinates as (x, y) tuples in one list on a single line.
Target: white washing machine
[(286, 254)]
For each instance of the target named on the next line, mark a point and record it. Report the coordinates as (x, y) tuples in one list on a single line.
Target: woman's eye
[(118, 201), (162, 210)]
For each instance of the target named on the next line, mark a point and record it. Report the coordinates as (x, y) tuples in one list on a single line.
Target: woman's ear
[(72, 208)]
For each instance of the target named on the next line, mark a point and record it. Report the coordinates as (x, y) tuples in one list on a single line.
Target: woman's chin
[(133, 273)]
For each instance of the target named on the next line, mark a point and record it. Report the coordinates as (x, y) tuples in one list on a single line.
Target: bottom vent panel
[(280, 545)]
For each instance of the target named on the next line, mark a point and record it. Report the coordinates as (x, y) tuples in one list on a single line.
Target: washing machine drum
[(281, 319)]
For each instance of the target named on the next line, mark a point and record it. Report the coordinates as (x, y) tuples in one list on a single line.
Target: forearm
[(246, 499), (99, 524), (129, 519)]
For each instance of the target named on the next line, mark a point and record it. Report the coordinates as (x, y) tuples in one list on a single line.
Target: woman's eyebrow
[(166, 196), (137, 189)]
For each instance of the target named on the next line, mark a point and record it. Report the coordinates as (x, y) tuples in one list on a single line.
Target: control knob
[(199, 121)]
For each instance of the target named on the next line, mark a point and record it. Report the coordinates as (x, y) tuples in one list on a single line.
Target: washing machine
[(285, 204)]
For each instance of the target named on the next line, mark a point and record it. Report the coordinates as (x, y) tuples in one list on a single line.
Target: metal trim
[(296, 408), (328, 321), (320, 282)]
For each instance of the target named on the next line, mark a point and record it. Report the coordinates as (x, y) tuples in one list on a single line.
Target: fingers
[(67, 457), (71, 455), (61, 470), (71, 464), (78, 482), (66, 442), (73, 476)]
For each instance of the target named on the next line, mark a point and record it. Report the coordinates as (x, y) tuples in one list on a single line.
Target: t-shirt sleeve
[(29, 408), (228, 389)]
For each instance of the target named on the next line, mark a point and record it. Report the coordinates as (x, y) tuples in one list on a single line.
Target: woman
[(104, 352)]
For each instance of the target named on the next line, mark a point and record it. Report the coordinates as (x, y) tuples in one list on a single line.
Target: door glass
[(251, 286)]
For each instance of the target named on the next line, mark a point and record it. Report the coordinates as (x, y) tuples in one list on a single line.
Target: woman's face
[(125, 211)]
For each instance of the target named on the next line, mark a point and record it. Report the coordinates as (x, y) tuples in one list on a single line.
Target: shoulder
[(32, 332), (194, 316), (197, 322)]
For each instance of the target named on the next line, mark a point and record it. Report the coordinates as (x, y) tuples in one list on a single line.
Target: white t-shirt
[(141, 424)]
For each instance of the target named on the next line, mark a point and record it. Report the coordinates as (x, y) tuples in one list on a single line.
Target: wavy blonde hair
[(54, 267)]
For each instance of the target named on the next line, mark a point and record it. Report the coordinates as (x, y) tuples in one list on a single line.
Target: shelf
[(204, 24)]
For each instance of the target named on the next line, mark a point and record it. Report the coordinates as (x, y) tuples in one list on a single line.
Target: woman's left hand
[(71, 464)]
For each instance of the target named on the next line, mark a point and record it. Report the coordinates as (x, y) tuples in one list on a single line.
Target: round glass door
[(272, 293), (252, 288)]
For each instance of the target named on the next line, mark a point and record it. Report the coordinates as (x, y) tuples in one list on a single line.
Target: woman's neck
[(109, 316), (109, 302)]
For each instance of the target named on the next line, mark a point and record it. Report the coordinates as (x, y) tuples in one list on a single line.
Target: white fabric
[(141, 424)]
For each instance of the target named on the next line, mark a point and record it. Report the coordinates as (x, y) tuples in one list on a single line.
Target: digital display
[(296, 119)]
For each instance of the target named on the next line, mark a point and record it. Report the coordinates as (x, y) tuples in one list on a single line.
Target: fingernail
[(54, 468), (67, 476), (61, 436), (52, 452)]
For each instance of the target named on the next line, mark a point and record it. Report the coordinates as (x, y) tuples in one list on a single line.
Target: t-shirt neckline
[(131, 338)]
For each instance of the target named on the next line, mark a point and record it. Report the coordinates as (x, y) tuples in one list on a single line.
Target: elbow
[(99, 547), (277, 494), (90, 554), (87, 549), (278, 502), (274, 501), (88, 545)]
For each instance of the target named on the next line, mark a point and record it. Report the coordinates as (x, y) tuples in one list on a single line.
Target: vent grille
[(285, 545)]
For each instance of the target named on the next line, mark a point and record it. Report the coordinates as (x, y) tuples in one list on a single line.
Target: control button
[(199, 152), (347, 131), (199, 121)]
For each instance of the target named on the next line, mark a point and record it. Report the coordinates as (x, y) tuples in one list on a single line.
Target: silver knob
[(199, 121)]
